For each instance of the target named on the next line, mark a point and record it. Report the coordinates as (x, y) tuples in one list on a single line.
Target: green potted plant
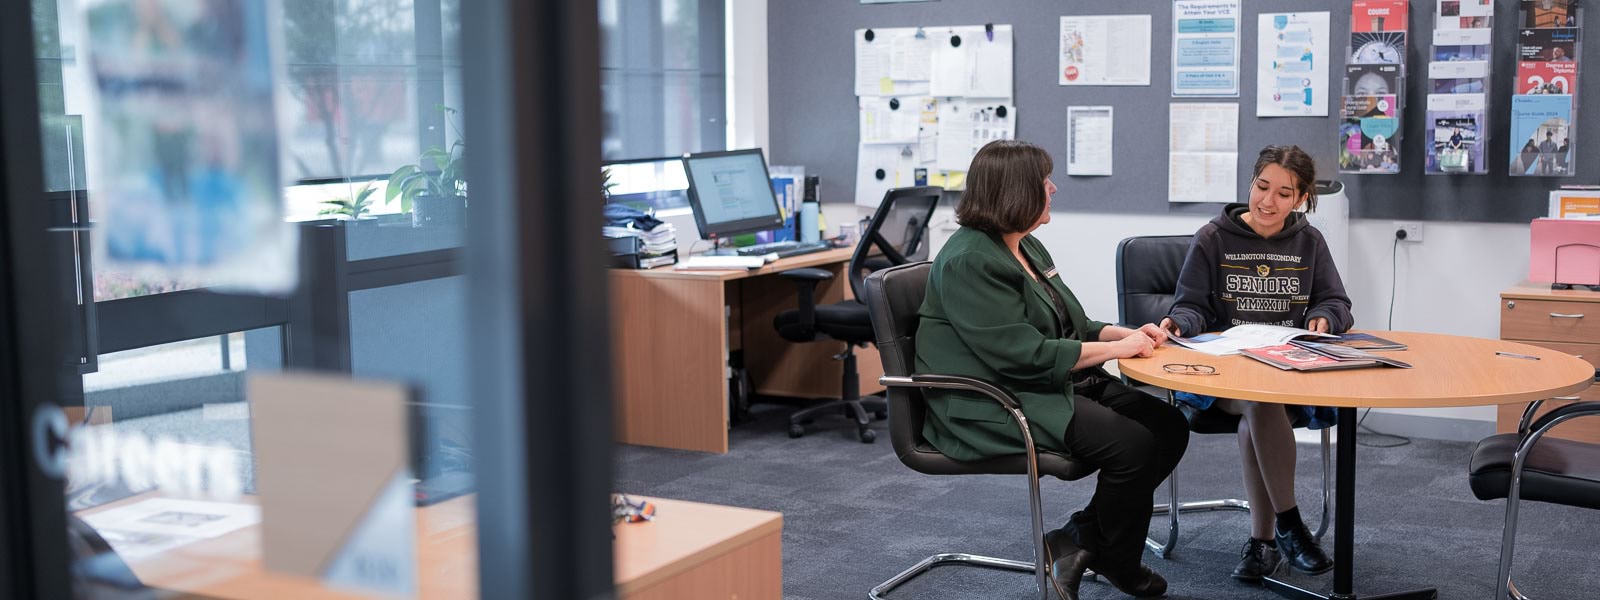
[(353, 207), (434, 190)]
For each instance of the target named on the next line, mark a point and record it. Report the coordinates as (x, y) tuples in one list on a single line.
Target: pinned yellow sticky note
[(886, 86), (955, 180), (936, 179)]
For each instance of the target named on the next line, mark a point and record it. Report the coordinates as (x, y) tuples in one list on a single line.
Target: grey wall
[(813, 107)]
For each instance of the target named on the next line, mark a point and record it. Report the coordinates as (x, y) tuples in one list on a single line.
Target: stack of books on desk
[(642, 249)]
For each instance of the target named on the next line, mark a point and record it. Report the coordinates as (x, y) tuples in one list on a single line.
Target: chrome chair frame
[(1164, 549), (1530, 432), (1005, 399)]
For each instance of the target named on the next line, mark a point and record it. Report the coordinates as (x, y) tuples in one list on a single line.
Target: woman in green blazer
[(996, 308)]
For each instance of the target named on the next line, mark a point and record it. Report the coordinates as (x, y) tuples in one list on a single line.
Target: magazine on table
[(1301, 355), (1366, 341), (1245, 336)]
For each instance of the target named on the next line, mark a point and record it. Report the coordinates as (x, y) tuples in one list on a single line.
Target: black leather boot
[(1143, 582), (1067, 563), (1301, 551)]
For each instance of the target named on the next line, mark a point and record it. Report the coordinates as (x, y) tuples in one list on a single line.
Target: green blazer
[(984, 316)]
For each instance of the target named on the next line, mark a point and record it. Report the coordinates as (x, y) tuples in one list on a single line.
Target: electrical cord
[(1394, 278)]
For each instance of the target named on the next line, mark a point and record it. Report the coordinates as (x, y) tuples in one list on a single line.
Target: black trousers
[(1136, 440)]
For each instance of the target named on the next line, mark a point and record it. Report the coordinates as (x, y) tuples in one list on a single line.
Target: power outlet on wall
[(1408, 231)]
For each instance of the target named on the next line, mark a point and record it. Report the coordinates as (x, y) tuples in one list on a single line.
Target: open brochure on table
[(1300, 355), (1245, 336)]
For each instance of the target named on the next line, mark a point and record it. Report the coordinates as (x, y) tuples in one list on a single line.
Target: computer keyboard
[(783, 249)]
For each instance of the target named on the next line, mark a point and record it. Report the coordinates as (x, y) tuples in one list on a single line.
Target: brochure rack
[(1374, 87), (1457, 127), (1544, 104)]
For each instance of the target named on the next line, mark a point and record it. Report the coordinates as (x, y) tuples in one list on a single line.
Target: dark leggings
[(1136, 440)]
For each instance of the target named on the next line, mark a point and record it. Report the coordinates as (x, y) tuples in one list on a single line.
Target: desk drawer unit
[(1566, 321)]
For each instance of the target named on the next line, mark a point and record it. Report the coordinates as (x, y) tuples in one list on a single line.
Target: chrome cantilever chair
[(1518, 466), (893, 296), (1147, 282)]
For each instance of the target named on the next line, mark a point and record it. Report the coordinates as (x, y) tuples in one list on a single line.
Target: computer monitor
[(651, 183), (731, 193)]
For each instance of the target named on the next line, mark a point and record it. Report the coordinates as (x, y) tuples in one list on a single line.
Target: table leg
[(1344, 513)]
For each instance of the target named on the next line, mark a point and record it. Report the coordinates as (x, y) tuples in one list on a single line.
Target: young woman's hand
[(1156, 333), (1167, 324), (1318, 324)]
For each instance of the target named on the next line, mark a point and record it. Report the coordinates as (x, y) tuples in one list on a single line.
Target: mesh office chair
[(1516, 466), (893, 296), (1147, 282), (847, 321)]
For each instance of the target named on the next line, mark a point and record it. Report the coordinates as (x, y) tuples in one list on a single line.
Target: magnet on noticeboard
[(955, 41), (1000, 112), (894, 104), (880, 174), (921, 35), (988, 30), (870, 35)]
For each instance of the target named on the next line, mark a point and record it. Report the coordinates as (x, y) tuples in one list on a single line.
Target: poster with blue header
[(1205, 49)]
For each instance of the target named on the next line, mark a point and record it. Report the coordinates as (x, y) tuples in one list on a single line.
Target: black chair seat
[(846, 321), (1557, 471), (1214, 420), (926, 459)]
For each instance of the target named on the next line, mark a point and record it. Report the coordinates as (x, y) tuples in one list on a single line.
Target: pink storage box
[(1565, 251)]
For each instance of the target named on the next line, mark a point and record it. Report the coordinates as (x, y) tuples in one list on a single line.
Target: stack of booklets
[(1546, 89), (1299, 355), (1374, 87), (1245, 337), (1458, 76), (634, 248)]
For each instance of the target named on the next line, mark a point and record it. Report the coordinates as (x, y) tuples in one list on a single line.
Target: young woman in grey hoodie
[(1261, 262)]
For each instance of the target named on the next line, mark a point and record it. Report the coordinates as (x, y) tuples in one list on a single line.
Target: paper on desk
[(889, 120), (155, 525), (1203, 152), (1244, 336), (1105, 50), (1089, 140), (1292, 64)]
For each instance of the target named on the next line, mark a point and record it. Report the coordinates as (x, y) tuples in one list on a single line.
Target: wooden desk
[(672, 332), (1564, 320), (691, 550), (1448, 371)]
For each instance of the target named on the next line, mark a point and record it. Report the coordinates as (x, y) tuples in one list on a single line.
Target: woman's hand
[(1156, 333), (1318, 324), (1135, 345), (1167, 324)]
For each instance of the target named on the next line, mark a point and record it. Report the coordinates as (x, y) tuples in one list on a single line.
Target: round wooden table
[(1447, 371)]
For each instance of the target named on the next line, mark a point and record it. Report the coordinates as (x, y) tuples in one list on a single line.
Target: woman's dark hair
[(1297, 163), (1005, 187)]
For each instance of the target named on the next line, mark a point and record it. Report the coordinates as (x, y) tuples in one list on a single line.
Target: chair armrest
[(1570, 411), (806, 281), (1527, 416), (807, 275), (955, 382)]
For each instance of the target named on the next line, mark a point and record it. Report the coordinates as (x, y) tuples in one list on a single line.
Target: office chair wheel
[(797, 430), (868, 436)]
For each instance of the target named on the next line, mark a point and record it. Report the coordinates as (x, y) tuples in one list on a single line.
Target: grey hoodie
[(1233, 276)]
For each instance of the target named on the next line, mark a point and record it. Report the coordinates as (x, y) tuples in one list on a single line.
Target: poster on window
[(184, 160)]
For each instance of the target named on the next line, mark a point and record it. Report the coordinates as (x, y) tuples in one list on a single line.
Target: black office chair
[(1518, 466), (1147, 282), (847, 321), (893, 295)]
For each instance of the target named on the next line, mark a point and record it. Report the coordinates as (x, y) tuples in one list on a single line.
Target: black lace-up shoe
[(1067, 563), (1301, 551), (1258, 560)]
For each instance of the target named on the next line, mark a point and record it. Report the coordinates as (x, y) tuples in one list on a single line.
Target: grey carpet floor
[(854, 516)]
